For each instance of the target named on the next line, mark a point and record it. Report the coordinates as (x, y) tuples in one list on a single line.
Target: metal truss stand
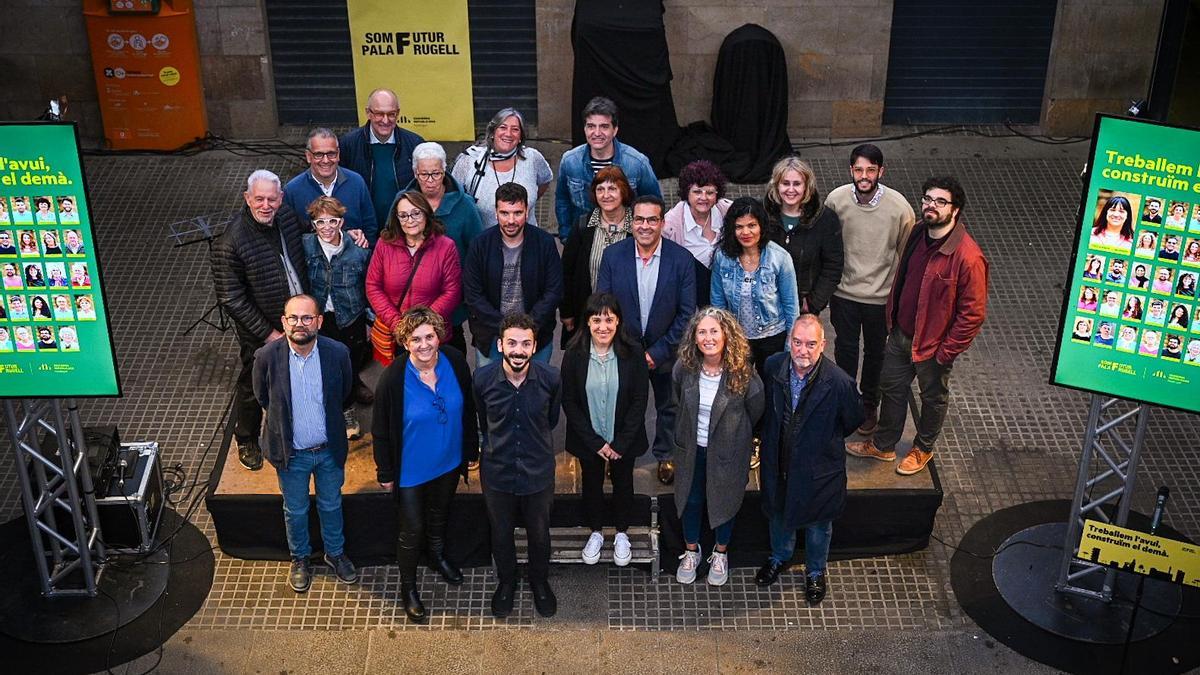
[(61, 603), (57, 495), (1036, 570)]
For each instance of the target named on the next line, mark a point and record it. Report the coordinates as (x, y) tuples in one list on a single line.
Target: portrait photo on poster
[(1112, 226)]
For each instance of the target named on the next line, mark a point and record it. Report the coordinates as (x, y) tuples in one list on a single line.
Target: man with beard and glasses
[(303, 382), (257, 264), (944, 273), (876, 221), (518, 400)]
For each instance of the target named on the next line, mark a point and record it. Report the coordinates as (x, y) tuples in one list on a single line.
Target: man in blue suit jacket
[(655, 283), (303, 383)]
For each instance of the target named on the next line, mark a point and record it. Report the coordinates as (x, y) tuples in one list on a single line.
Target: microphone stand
[(1160, 503)]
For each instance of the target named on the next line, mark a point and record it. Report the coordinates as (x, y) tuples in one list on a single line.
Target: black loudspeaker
[(103, 444), (132, 507)]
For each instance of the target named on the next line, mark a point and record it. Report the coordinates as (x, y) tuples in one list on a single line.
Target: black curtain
[(621, 53), (750, 102)]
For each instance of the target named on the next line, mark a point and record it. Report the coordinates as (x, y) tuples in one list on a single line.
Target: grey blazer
[(730, 441)]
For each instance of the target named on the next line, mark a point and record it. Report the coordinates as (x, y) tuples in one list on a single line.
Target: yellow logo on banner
[(1141, 553), (422, 51)]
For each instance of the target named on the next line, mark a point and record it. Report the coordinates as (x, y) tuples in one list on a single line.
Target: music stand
[(193, 231)]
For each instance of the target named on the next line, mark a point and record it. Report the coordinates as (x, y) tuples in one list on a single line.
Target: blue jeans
[(693, 511), (816, 543), (542, 355), (293, 484)]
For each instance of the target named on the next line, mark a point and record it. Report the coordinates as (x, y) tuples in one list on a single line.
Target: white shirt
[(693, 236), (708, 394)]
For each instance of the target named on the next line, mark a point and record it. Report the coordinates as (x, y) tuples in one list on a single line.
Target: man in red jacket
[(935, 310)]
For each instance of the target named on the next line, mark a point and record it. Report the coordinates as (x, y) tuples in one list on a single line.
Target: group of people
[(711, 305)]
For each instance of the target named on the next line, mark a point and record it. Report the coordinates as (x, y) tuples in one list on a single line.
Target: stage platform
[(885, 512)]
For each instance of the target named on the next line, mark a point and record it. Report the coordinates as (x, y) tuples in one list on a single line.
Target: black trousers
[(762, 348), (458, 340), (849, 318), (245, 406), (899, 371), (421, 514), (505, 512), (353, 336), (591, 467)]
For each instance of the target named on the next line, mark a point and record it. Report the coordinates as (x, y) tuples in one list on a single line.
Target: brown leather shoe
[(870, 424), (914, 462), (666, 472), (867, 449)]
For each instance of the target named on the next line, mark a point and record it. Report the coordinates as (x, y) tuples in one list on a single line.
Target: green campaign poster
[(54, 332), (1131, 318)]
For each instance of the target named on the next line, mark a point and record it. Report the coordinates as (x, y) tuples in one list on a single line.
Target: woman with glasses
[(500, 157), (425, 433), (698, 219), (337, 272), (604, 394), (610, 222), (720, 399), (810, 232), (414, 263), (452, 208)]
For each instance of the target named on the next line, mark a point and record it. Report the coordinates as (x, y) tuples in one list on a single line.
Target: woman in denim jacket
[(337, 275), (754, 278)]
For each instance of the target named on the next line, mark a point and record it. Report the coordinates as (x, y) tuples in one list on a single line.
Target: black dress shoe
[(544, 600), (666, 472), (250, 455), (449, 572), (502, 600), (768, 573), (815, 587), (413, 607)]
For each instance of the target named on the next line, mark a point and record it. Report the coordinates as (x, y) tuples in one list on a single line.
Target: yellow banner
[(1141, 553), (422, 51)]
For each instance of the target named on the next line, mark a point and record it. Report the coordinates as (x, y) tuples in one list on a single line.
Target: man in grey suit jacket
[(303, 383)]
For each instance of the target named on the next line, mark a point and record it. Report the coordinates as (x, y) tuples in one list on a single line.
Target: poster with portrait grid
[(55, 340), (1130, 324)]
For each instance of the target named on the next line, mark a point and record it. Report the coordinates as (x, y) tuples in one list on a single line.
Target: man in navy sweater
[(381, 152), (325, 177)]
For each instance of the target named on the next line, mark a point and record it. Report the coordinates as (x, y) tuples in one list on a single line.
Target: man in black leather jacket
[(257, 263)]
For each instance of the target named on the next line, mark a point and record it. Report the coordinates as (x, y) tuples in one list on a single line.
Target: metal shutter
[(958, 62), (314, 74)]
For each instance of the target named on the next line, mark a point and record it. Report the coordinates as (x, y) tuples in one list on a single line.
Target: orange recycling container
[(146, 61)]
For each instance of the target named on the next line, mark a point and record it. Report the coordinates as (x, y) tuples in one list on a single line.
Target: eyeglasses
[(327, 222), (332, 154), (305, 320), (411, 215), (431, 175), (651, 220), (384, 114), (936, 201), (440, 404)]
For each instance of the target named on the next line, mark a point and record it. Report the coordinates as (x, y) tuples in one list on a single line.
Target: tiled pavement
[(1009, 438)]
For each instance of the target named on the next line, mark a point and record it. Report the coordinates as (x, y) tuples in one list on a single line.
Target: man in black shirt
[(518, 400)]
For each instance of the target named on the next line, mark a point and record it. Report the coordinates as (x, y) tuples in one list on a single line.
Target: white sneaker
[(718, 570), (353, 431), (591, 550), (622, 552), (690, 560)]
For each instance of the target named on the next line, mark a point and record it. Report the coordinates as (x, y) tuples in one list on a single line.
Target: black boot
[(438, 563), (413, 606), (435, 540)]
